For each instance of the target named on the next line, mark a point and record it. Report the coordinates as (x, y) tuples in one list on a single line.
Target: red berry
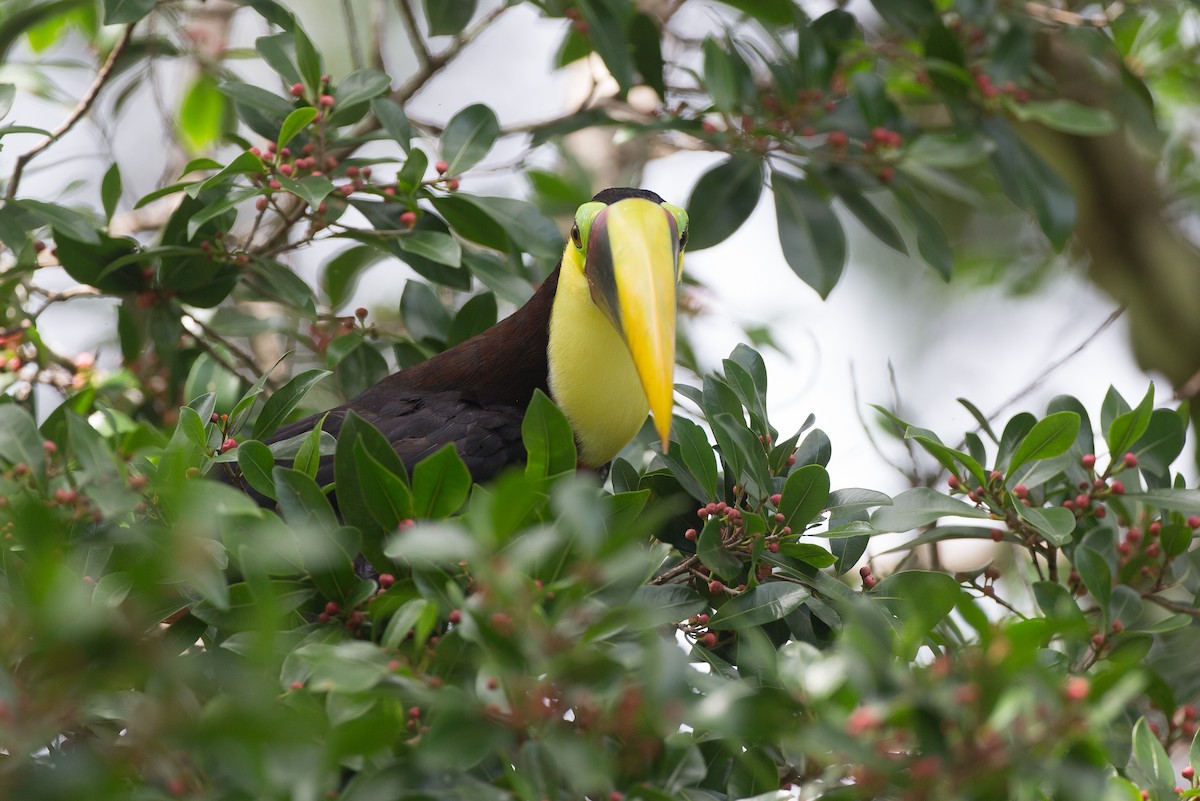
[(869, 583), (455, 616), (1118, 626), (791, 460), (297, 90), (773, 547), (452, 184), (1117, 488), (1100, 512), (837, 139), (229, 444), (690, 534), (49, 447), (864, 571), (1134, 535), (352, 171), (297, 685), (1088, 460), (408, 219), (715, 587), (776, 498), (1130, 460), (780, 517), (998, 535), (261, 204), (414, 711), (1082, 501), (1188, 772), (137, 483), (953, 482), (1077, 688), (326, 101), (332, 608), (887, 174), (442, 167), (386, 580), (1153, 550), (709, 639), (286, 169), (1020, 491), (1193, 522), (1098, 640)]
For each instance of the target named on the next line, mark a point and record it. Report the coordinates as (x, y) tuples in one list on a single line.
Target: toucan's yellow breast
[(592, 375)]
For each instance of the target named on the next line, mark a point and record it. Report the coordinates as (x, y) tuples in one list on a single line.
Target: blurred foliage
[(695, 627)]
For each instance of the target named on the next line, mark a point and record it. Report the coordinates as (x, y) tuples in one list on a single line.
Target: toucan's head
[(629, 244)]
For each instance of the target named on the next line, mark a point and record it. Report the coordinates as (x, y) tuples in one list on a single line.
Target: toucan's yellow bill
[(632, 267)]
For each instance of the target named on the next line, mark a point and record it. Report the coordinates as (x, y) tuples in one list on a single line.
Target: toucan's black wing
[(486, 435)]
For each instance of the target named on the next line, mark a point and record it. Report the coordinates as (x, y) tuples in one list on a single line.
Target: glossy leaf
[(548, 438), (713, 554), (257, 464), (723, 199), (468, 137), (296, 122), (440, 484), (448, 17), (804, 495), (284, 401), (774, 600), (1050, 437), (919, 507)]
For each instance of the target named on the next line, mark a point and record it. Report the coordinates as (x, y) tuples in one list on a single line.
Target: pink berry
[(1188, 772), (1193, 522), (997, 535), (228, 445), (442, 167), (297, 90), (690, 534), (408, 219), (386, 580), (455, 616), (326, 101), (776, 498), (715, 587), (452, 184), (261, 204), (1077, 688), (709, 639), (1130, 460), (1117, 488), (1088, 460)]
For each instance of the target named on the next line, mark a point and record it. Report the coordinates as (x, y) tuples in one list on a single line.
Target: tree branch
[(79, 112)]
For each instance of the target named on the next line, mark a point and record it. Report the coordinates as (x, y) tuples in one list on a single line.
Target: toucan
[(598, 337)]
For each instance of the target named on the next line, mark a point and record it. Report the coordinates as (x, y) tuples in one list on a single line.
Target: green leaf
[(712, 552), (440, 484), (245, 162), (772, 12), (308, 455), (1127, 428), (810, 234), (606, 33), (201, 114), (468, 137), (20, 442), (424, 315), (931, 239), (948, 457), (1055, 523), (1161, 442), (296, 122), (282, 402), (60, 218), (403, 622), (110, 190), (279, 51), (121, 12), (723, 200), (358, 87), (301, 500), (920, 599), (1176, 500), (874, 220), (657, 605), (1150, 758), (257, 465), (341, 273), (448, 17), (308, 60), (721, 78), (385, 494), (773, 600), (393, 119), (919, 507), (8, 93), (436, 246), (646, 40), (549, 440), (1050, 437), (1031, 184), (477, 315), (1093, 569), (697, 455), (524, 223), (1065, 115), (804, 495)]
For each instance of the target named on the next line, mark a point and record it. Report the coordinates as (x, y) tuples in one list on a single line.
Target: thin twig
[(356, 58), (414, 34), (246, 359), (1041, 377), (79, 112), (1173, 606), (1064, 17), (683, 567)]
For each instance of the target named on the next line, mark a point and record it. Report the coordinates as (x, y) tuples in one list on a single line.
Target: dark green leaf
[(110, 190), (301, 500), (875, 221), (448, 17), (385, 494), (436, 246), (1096, 574), (60, 218), (713, 554), (1054, 523), (340, 276), (668, 603), (774, 600), (810, 234), (919, 507), (549, 440), (723, 199), (296, 122), (606, 33), (424, 315), (393, 119), (468, 137), (1050, 437), (282, 402), (121, 12), (805, 494), (645, 38), (476, 316), (440, 484), (1127, 428), (257, 465)]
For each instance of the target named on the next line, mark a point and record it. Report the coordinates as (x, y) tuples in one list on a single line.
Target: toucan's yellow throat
[(611, 354)]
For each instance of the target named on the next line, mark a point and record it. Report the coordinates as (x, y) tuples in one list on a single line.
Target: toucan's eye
[(683, 239), (576, 237)]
